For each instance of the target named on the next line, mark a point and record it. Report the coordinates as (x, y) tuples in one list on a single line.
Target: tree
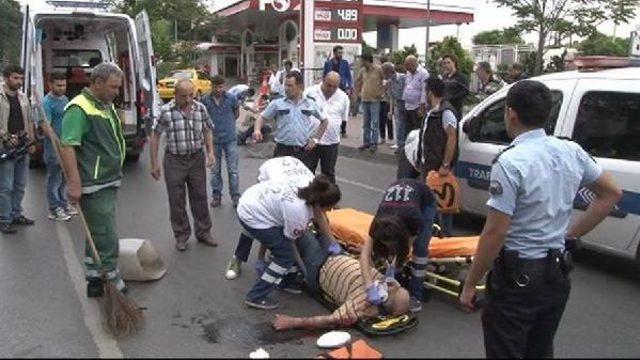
[(559, 19), (450, 46), (11, 23), (601, 44), (397, 57), (498, 37)]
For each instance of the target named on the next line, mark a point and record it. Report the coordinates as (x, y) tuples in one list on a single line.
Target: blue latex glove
[(373, 296), (335, 248), (391, 272), (261, 266)]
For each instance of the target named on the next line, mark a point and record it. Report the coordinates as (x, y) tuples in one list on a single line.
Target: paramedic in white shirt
[(276, 213), (285, 168), (336, 104)]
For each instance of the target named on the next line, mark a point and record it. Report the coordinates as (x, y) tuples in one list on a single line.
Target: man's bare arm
[(607, 195)]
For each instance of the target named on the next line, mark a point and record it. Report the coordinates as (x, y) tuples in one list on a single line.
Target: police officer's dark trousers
[(298, 152), (523, 310)]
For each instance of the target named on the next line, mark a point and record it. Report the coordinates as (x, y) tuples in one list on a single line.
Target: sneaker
[(58, 214), (394, 146), (363, 147), (291, 288), (233, 269), (216, 201), (95, 288), (71, 210), (22, 220), (7, 228), (262, 304), (415, 305), (235, 200)]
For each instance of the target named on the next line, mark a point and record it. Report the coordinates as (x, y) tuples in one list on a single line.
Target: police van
[(72, 38), (595, 107)]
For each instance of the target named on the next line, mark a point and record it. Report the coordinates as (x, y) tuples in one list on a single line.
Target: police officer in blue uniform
[(297, 133), (527, 235)]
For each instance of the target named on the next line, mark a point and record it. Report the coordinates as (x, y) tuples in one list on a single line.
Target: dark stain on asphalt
[(236, 331)]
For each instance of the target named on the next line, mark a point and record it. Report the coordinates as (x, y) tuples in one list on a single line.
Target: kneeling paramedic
[(329, 272), (533, 184), (403, 220), (276, 213)]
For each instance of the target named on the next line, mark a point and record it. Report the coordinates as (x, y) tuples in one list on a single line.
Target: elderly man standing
[(187, 126), (395, 88), (369, 86), (342, 67), (414, 94), (295, 134), (92, 152), (336, 104)]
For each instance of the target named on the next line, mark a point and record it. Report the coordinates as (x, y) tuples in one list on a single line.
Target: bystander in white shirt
[(336, 108), (285, 168)]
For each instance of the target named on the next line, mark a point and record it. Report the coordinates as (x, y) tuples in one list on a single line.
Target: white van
[(600, 110), (74, 42)]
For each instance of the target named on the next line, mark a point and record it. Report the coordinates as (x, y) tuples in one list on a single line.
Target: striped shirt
[(340, 278), (184, 131)]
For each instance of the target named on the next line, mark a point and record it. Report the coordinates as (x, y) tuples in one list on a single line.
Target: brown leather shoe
[(208, 241)]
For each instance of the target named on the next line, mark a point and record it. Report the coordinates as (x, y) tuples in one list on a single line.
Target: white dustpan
[(139, 261)]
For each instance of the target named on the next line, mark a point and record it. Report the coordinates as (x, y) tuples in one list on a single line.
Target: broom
[(121, 315)]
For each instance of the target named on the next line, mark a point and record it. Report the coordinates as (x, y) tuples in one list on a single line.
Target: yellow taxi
[(166, 86)]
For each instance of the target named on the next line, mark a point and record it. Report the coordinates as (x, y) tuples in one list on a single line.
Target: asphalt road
[(194, 312)]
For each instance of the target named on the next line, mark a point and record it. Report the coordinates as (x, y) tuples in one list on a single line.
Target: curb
[(378, 157)]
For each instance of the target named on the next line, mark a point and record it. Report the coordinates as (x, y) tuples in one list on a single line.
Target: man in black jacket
[(456, 84)]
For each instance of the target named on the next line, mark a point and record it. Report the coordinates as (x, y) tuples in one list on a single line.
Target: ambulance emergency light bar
[(79, 4)]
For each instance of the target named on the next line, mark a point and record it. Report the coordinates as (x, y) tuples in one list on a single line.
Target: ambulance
[(72, 38), (597, 106)]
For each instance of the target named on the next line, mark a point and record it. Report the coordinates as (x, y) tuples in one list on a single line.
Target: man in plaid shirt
[(187, 127)]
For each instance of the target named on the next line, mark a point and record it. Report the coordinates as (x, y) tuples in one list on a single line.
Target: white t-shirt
[(275, 84), (336, 108), (275, 204), (285, 168)]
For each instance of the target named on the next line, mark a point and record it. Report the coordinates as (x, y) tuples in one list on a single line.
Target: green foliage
[(191, 18), (397, 57), (601, 44), (10, 23), (450, 45), (498, 37), (556, 20)]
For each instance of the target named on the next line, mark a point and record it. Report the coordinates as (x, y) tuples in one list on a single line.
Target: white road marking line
[(107, 345), (359, 184)]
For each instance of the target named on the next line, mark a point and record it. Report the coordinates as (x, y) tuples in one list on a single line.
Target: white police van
[(72, 37), (600, 110)]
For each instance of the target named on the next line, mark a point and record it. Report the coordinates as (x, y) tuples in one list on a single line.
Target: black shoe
[(373, 149), (262, 304), (235, 201), (7, 228), (22, 220), (363, 147), (95, 288)]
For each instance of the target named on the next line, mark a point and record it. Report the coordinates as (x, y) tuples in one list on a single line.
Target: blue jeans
[(56, 189), (231, 158), (281, 249), (401, 137), (314, 251), (13, 180), (420, 258), (370, 123)]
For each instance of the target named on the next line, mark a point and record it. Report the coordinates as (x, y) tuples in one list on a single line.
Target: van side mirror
[(472, 128)]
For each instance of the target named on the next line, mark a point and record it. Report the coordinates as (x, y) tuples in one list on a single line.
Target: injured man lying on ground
[(335, 275)]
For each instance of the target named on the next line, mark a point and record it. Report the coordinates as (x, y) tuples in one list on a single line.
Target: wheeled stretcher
[(449, 258)]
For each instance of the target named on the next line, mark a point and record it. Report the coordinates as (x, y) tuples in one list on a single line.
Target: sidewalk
[(349, 145)]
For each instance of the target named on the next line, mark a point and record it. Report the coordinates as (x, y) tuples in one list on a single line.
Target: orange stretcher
[(449, 258)]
